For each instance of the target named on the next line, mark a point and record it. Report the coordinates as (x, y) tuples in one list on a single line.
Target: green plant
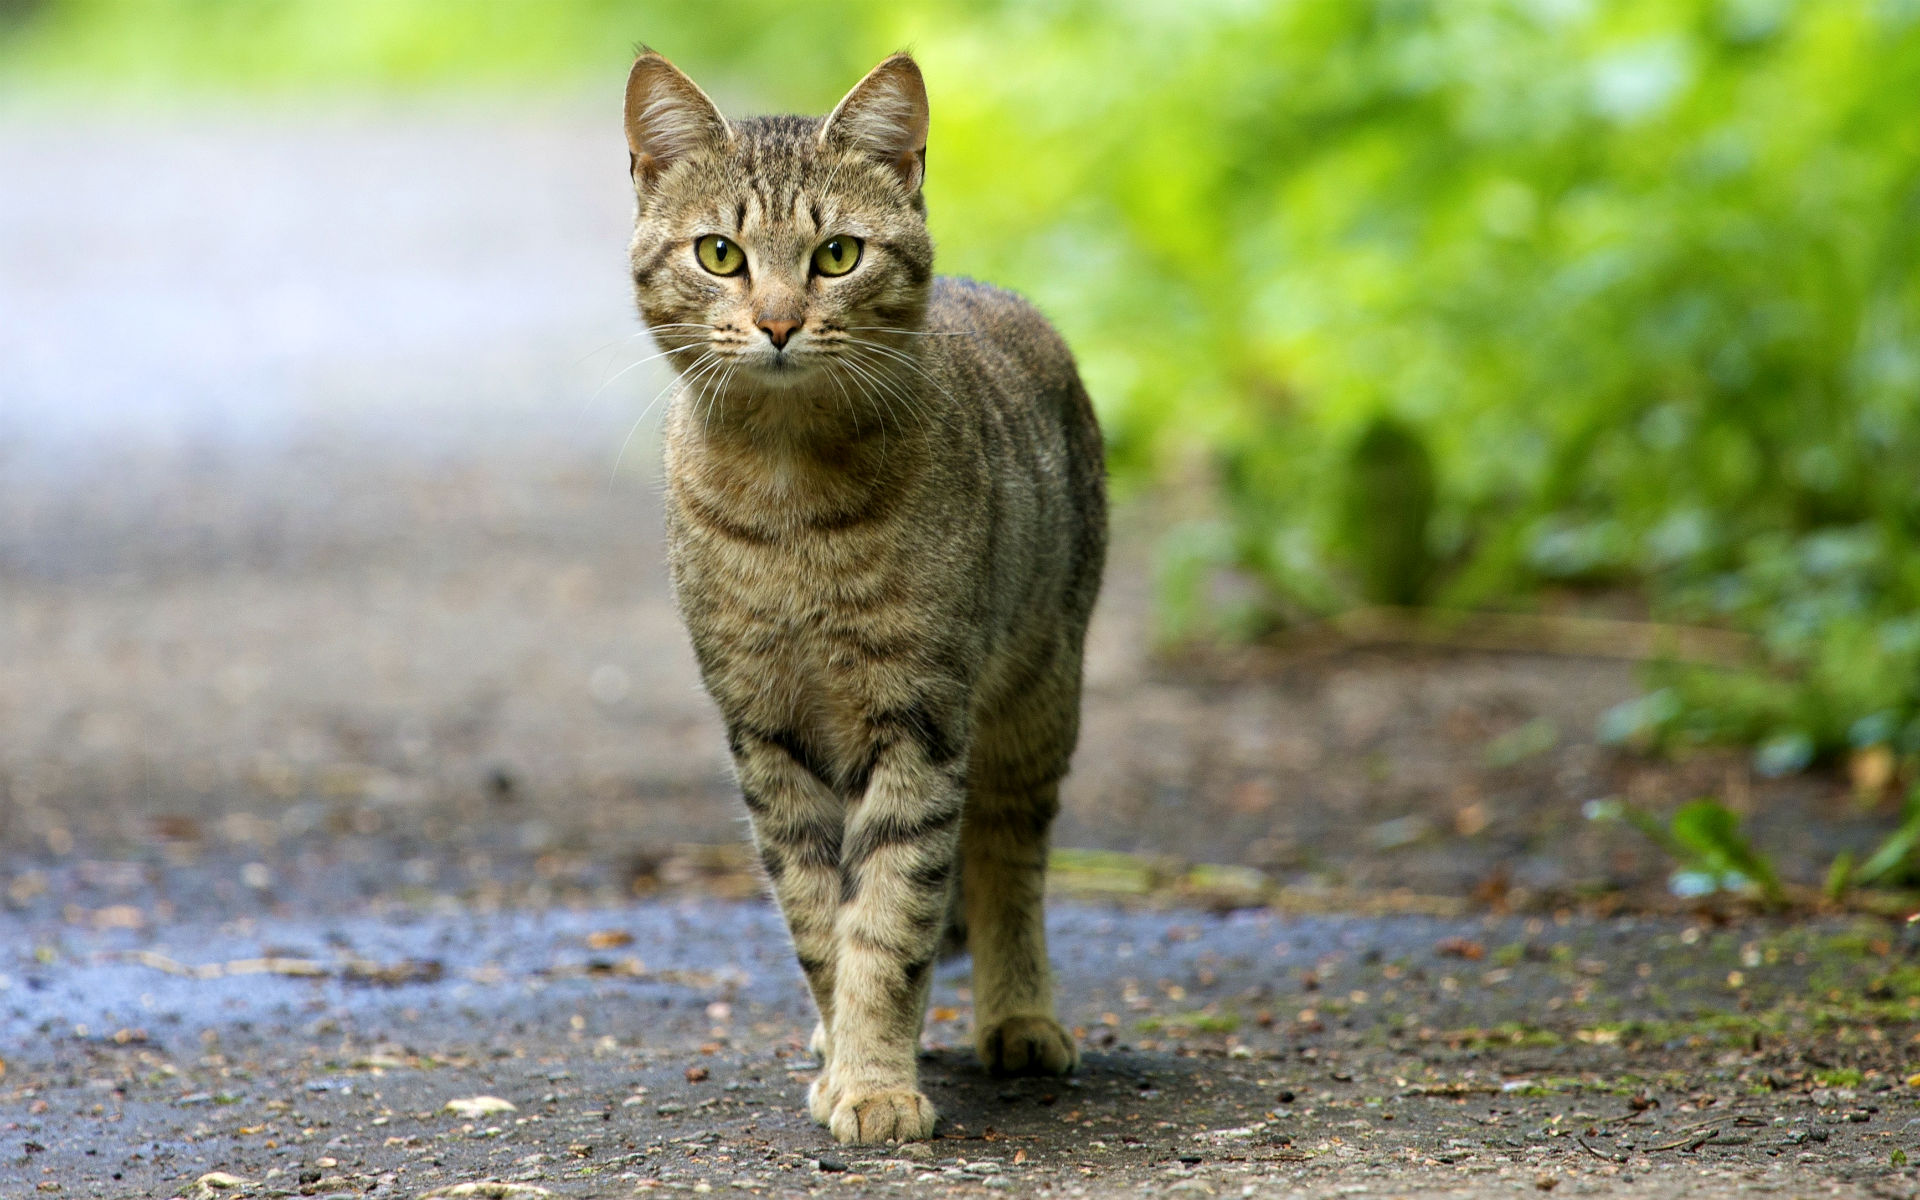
[(1703, 837), (1896, 861), (1386, 509)]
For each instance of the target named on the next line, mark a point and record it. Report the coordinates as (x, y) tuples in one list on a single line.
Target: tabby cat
[(886, 521)]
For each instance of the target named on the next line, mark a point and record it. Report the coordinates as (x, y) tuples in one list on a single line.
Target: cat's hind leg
[(1003, 855)]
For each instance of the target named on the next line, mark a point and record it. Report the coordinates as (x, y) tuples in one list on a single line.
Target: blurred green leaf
[(1704, 839), (1895, 860), (1710, 834)]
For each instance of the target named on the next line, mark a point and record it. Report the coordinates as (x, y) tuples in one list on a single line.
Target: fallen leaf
[(608, 939), (119, 916), (696, 1074), (1459, 947), (480, 1106)]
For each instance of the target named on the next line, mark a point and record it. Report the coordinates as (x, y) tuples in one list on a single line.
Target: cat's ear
[(885, 116), (668, 118)]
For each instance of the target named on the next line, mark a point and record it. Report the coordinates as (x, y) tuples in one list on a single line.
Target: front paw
[(823, 1095), (901, 1116), (1027, 1046)]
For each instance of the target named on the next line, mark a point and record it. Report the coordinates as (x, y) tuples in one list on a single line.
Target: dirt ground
[(660, 1046), (352, 762)]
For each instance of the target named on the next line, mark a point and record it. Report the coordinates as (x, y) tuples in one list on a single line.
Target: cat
[(886, 524)]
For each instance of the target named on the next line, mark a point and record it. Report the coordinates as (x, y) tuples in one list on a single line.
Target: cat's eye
[(722, 256), (837, 256)]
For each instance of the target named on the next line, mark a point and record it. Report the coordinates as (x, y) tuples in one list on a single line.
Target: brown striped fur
[(886, 522)]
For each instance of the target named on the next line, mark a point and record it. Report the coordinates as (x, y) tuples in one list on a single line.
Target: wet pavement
[(661, 1046)]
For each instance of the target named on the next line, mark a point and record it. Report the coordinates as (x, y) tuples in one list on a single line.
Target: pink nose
[(778, 331)]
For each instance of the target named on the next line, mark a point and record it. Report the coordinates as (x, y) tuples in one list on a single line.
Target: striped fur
[(886, 538)]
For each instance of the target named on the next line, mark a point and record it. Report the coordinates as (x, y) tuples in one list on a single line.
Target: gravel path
[(661, 1046)]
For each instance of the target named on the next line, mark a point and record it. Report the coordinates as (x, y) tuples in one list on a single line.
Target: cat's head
[(780, 254)]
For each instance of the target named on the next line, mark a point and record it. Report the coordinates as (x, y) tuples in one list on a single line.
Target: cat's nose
[(778, 331)]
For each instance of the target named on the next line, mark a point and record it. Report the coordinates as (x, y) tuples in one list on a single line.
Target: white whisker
[(635, 427)]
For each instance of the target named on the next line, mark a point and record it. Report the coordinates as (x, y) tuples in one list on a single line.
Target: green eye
[(720, 255), (837, 256)]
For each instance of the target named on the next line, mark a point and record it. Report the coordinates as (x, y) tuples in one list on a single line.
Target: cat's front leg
[(897, 874), (797, 826)]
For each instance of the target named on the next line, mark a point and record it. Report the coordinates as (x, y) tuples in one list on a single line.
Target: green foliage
[(1896, 861), (1625, 288), (1703, 837), (1388, 504)]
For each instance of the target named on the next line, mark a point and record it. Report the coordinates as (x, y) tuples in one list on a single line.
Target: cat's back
[(990, 335)]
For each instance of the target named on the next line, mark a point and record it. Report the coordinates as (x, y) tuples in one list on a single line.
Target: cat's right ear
[(668, 118)]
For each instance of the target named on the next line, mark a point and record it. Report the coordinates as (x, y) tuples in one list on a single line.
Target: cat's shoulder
[(967, 315)]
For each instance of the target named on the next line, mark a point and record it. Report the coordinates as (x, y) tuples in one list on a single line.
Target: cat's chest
[(809, 638)]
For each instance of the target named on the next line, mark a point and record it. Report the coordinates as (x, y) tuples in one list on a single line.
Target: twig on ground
[(1691, 1142), (1600, 1154)]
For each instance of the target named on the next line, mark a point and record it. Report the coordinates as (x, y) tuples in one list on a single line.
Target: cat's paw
[(822, 1096), (1027, 1046), (898, 1116), (820, 1045)]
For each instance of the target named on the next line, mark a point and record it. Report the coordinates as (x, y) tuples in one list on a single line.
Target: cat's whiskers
[(726, 381), (912, 332), (605, 346), (697, 382), (650, 331), (635, 427), (883, 367), (903, 359), (827, 365), (884, 390), (631, 367)]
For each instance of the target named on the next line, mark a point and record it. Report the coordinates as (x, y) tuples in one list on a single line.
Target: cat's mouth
[(783, 367)]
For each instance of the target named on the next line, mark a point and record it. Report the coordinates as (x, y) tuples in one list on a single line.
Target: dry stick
[(1538, 633), (1600, 1154), (1690, 1142)]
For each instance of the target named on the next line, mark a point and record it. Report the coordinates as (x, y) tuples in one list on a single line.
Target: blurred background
[(1514, 407)]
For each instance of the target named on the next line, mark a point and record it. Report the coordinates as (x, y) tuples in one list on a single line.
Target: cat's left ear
[(885, 116)]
